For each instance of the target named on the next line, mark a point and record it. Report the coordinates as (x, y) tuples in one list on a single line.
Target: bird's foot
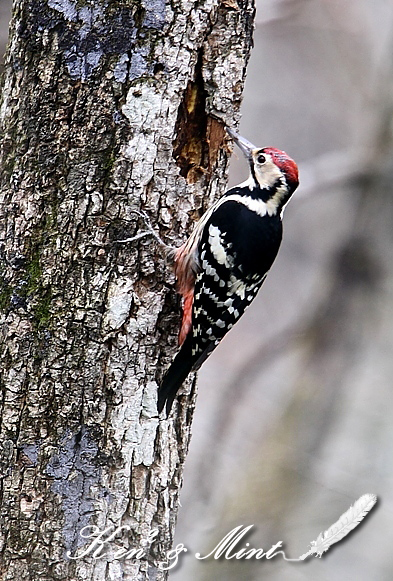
[(148, 232)]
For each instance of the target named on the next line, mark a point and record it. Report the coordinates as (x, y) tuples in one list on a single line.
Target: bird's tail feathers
[(176, 374)]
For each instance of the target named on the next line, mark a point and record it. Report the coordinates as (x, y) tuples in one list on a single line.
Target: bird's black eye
[(261, 158)]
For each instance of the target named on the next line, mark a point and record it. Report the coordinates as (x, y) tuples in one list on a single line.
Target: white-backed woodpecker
[(223, 264)]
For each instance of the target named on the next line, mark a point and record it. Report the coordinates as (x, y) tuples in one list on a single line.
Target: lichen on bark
[(90, 117)]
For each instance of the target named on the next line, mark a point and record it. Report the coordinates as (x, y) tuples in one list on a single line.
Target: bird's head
[(272, 171)]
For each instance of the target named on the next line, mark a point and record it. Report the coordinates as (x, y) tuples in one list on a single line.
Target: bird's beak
[(243, 144)]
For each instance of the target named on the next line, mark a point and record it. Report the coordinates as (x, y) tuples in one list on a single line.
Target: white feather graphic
[(345, 524)]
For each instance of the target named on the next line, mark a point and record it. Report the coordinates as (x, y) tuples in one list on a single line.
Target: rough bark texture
[(107, 108)]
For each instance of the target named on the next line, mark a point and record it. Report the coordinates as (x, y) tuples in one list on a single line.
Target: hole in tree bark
[(158, 68), (198, 136)]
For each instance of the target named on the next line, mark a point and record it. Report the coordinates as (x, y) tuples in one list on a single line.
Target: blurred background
[(294, 414)]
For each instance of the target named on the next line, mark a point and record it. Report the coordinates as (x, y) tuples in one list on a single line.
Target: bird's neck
[(273, 197)]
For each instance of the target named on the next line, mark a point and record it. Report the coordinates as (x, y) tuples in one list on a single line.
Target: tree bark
[(107, 108)]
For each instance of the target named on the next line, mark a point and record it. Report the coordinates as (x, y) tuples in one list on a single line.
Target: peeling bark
[(107, 108)]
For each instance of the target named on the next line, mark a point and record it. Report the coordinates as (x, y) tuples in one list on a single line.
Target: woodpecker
[(222, 265)]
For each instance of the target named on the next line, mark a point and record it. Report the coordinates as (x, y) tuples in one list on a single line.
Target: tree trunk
[(107, 108)]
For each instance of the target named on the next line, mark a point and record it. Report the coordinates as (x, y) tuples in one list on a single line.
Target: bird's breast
[(243, 240)]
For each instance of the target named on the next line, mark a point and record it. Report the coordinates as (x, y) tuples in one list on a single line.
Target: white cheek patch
[(276, 201), (249, 183), (267, 173)]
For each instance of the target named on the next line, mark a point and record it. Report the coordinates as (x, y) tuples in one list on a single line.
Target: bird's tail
[(176, 374)]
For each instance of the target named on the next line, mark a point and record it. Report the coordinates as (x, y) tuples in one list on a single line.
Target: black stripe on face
[(252, 170)]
